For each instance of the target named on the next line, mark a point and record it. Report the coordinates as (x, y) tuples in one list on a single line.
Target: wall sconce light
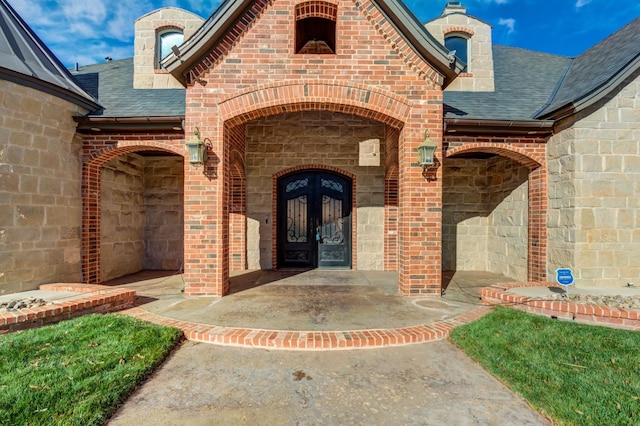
[(426, 151), (198, 149)]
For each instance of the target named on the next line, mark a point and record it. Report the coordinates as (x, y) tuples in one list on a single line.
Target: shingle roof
[(524, 81), (24, 59), (112, 83), (597, 66)]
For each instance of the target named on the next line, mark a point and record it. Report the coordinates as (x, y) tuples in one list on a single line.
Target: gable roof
[(25, 60), (596, 72), (524, 81), (216, 27)]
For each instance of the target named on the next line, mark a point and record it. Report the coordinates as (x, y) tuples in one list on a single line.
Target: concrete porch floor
[(312, 300)]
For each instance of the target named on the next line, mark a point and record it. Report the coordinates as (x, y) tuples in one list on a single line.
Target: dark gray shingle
[(116, 93), (598, 65), (524, 82)]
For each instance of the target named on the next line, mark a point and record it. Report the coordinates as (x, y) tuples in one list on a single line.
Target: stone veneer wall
[(145, 73), (142, 214), (40, 178), (485, 216), (122, 216), (594, 182), (464, 216), (164, 198), (479, 76), (320, 138), (507, 202)]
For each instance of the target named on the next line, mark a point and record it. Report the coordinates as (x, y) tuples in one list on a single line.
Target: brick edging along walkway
[(98, 299), (102, 299), (497, 294), (311, 340)]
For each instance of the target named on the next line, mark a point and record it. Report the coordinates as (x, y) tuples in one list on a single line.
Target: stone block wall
[(594, 182), (507, 205), (122, 216), (163, 199), (485, 216), (283, 141), (145, 74), (464, 215), (40, 187), (479, 76)]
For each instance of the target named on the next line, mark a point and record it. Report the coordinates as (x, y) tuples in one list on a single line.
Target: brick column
[(538, 224), (206, 217), (419, 210)]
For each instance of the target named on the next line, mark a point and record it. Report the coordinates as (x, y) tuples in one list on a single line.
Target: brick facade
[(256, 75)]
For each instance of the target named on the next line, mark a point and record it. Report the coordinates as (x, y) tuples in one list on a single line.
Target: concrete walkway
[(311, 310), (315, 300), (426, 384)]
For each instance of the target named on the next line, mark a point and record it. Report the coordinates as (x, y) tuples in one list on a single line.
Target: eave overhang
[(419, 38), (491, 127), (96, 124), (398, 15), (198, 45), (597, 94), (49, 88)]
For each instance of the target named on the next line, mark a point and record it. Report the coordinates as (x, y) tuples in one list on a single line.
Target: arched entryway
[(133, 198), (269, 125), (314, 220), (494, 210)]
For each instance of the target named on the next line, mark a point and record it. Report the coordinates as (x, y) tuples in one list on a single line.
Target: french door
[(314, 220)]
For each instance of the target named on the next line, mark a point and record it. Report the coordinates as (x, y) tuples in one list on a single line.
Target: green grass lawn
[(575, 374), (77, 372)]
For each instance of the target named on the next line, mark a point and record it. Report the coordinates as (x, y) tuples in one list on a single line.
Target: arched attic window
[(316, 27), (166, 38), (460, 43)]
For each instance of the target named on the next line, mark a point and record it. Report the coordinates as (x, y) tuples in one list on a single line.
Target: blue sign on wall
[(564, 276)]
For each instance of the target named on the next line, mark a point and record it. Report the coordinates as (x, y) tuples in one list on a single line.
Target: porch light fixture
[(426, 150), (198, 149)]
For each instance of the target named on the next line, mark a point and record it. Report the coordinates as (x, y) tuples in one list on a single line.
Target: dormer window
[(166, 39), (316, 27), (460, 44)]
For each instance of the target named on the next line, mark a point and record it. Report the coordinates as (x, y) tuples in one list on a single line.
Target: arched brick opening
[(532, 157), (354, 218), (418, 200), (91, 198)]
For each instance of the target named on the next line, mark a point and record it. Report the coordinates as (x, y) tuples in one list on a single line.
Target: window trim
[(160, 32), (467, 38)]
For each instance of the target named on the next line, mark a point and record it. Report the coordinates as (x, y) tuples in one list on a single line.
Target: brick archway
[(91, 198), (222, 122), (315, 95), (532, 157)]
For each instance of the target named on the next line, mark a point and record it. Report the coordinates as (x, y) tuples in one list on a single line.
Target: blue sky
[(87, 31)]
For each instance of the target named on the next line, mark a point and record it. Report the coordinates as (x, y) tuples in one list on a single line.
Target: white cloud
[(581, 3), (510, 23)]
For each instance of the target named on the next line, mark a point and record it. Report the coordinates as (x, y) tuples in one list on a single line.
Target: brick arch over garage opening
[(91, 197), (531, 156)]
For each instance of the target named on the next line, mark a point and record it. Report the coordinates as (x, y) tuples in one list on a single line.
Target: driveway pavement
[(426, 384)]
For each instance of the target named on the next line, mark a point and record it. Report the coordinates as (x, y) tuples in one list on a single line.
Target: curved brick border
[(311, 340), (627, 319), (99, 299)]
